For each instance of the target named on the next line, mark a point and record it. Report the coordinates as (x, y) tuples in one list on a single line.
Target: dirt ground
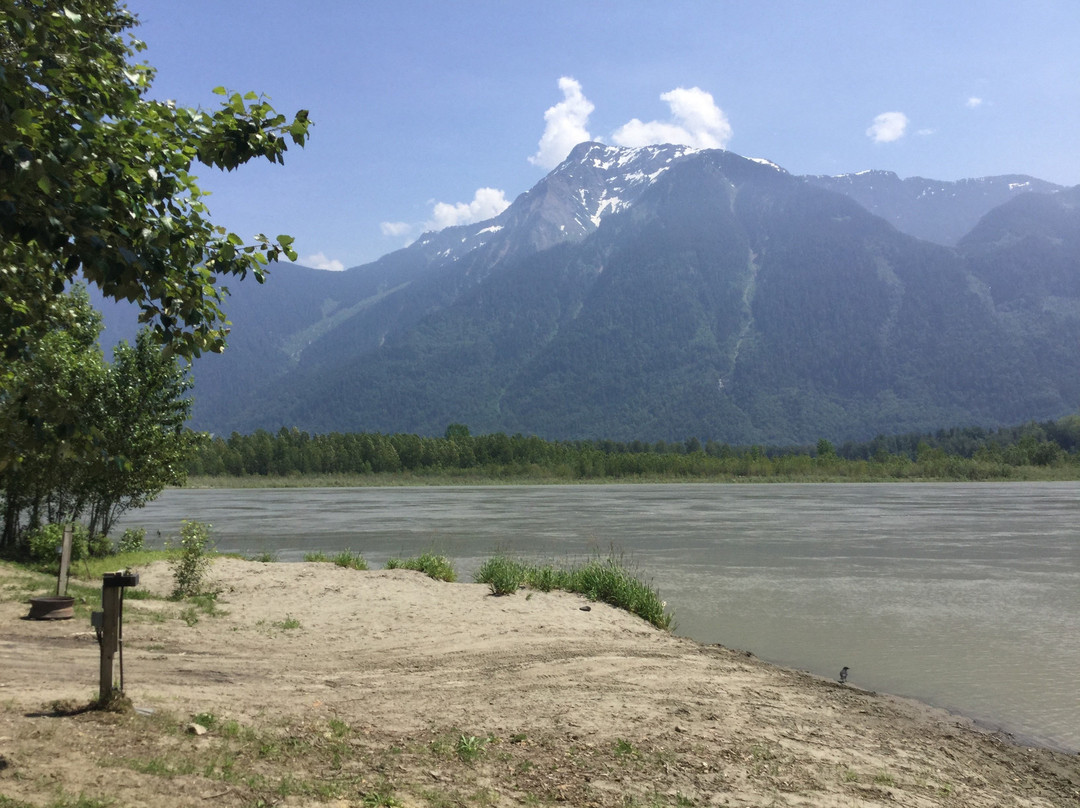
[(319, 685)]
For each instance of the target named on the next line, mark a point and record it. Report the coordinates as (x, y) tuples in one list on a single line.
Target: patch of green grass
[(624, 749), (162, 767), (434, 566), (338, 727), (288, 624), (350, 560), (208, 720), (265, 557), (317, 556), (884, 779), (608, 580), (382, 796)]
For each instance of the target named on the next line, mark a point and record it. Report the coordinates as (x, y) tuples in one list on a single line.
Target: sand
[(333, 686)]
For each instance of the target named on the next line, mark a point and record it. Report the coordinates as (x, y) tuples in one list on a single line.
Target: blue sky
[(428, 113)]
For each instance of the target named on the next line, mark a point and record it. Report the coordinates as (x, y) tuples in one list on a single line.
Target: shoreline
[(399, 480), (441, 693)]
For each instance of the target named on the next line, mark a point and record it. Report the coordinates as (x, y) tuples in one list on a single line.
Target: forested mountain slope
[(661, 293)]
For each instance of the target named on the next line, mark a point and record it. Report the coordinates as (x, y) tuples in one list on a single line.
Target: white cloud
[(973, 102), (320, 261), (695, 121), (565, 125), (396, 229), (486, 203), (887, 127)]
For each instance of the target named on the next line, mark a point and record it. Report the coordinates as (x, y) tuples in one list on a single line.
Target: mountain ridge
[(666, 292)]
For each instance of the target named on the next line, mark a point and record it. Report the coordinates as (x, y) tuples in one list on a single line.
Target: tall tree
[(131, 443), (142, 443), (44, 408), (95, 178)]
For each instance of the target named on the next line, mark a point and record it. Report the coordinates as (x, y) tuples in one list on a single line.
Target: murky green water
[(964, 596)]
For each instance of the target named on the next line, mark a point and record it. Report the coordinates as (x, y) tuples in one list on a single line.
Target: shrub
[(44, 543), (434, 566), (133, 540), (191, 559)]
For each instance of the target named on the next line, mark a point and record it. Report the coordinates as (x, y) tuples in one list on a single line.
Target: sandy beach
[(319, 685)]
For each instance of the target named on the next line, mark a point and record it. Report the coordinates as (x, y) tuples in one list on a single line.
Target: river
[(965, 596)]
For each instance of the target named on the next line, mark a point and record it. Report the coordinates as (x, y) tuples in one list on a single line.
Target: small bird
[(843, 675)]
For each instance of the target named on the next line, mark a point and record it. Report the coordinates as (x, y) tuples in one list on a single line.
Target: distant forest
[(1049, 450)]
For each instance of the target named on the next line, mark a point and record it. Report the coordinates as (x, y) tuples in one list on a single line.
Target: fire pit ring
[(52, 607)]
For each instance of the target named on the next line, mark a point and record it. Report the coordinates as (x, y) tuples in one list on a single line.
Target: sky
[(429, 113)]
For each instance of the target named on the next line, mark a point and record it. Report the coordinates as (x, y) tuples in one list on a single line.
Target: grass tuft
[(434, 566), (503, 574), (350, 560)]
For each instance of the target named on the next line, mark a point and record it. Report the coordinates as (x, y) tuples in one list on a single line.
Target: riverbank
[(531, 476), (322, 685)]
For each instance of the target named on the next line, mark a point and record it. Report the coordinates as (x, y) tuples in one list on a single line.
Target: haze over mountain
[(663, 292)]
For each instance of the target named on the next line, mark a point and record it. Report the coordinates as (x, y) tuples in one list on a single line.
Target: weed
[(207, 603), (851, 776), (288, 623), (884, 779), (624, 749), (434, 566), (190, 615), (350, 560), (207, 720), (469, 748), (382, 795), (339, 728), (317, 556), (265, 557), (483, 797)]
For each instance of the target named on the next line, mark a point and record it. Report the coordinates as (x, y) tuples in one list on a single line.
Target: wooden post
[(65, 562), (110, 636)]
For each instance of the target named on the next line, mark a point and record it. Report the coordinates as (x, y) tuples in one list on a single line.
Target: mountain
[(663, 292), (942, 212)]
